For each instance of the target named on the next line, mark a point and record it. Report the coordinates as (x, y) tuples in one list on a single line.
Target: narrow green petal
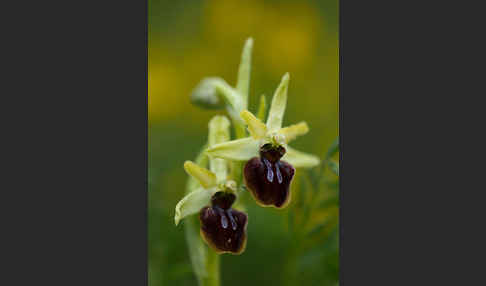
[(218, 133), (205, 177), (291, 132), (243, 83), (300, 159), (192, 203), (262, 108), (237, 150), (256, 128), (279, 101)]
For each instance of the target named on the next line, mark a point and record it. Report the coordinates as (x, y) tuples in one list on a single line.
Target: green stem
[(213, 265), (240, 129), (240, 132)]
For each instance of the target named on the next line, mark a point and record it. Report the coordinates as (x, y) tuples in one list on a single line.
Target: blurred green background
[(189, 40)]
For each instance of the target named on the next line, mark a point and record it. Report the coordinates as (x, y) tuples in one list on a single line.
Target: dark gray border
[(408, 206), (76, 160)]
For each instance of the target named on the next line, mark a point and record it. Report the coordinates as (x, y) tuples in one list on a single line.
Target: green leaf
[(315, 176), (334, 167), (333, 149)]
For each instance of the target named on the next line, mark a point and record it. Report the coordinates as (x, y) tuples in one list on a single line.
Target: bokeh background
[(189, 40)]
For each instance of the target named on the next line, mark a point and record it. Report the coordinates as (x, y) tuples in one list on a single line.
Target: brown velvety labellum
[(224, 230), (268, 178)]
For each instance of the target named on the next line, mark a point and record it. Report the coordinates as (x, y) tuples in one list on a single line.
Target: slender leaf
[(333, 149)]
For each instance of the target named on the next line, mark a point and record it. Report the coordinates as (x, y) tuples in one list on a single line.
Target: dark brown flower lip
[(269, 182), (224, 230)]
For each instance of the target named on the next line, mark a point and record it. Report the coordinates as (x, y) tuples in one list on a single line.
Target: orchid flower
[(222, 228), (268, 177)]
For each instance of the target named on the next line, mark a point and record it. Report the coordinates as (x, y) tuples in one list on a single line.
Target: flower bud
[(223, 228), (206, 95), (268, 178)]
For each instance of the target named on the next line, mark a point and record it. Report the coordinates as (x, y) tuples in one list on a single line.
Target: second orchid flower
[(270, 162)]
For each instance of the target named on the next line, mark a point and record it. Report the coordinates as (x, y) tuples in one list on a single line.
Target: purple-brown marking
[(223, 228), (268, 178)]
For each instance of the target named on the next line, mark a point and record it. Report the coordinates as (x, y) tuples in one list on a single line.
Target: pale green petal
[(243, 83), (206, 178), (291, 132), (256, 128), (262, 108), (192, 203), (300, 159), (237, 150), (218, 133), (277, 109)]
